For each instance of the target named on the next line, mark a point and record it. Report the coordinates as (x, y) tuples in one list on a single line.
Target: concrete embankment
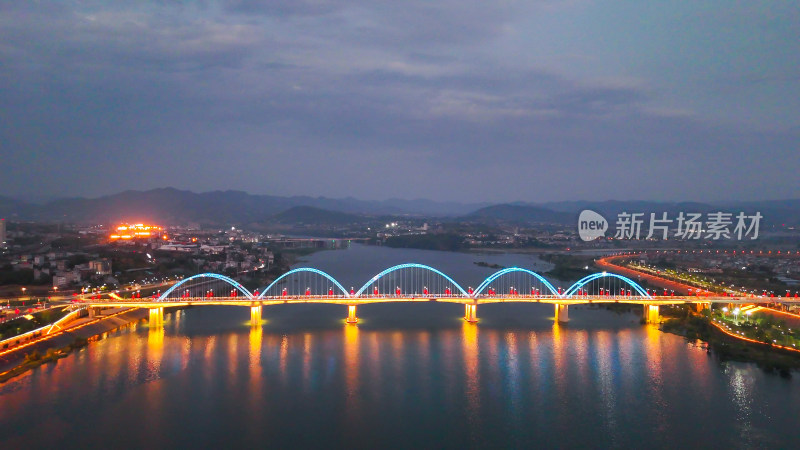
[(84, 328)]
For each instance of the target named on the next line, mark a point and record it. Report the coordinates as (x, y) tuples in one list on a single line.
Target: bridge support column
[(651, 314), (351, 314), (255, 315), (471, 313), (92, 313), (156, 317), (562, 313), (701, 306)]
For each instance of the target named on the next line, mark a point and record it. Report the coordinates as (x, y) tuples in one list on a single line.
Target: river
[(409, 375)]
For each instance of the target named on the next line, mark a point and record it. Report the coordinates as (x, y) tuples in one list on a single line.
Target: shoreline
[(16, 361), (728, 347)]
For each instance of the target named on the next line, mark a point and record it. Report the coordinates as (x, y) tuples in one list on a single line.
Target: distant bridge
[(418, 283)]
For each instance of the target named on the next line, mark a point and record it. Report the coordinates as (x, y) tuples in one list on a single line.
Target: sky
[(466, 100)]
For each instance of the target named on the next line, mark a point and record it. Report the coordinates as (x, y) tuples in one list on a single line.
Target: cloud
[(363, 98)]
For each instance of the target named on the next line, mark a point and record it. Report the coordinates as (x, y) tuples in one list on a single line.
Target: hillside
[(520, 214), (309, 215)]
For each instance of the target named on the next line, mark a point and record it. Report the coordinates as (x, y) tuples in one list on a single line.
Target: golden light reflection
[(256, 339), (351, 374), (208, 350), (653, 354), (307, 341), (469, 331), (233, 351), (559, 361), (155, 349), (255, 394), (283, 356)]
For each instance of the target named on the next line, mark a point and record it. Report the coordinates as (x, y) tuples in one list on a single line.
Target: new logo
[(591, 225)]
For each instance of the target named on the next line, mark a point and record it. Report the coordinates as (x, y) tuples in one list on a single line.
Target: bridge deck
[(341, 300)]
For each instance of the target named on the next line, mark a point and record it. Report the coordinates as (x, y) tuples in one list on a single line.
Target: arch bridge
[(410, 282)]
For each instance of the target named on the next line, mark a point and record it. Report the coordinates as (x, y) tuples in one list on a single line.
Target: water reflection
[(351, 373), (470, 350), (512, 379), (606, 361), (741, 395), (609, 383), (307, 361), (284, 355), (559, 362), (423, 364), (256, 337), (233, 353), (155, 351)]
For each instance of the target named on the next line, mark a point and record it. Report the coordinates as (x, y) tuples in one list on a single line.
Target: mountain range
[(173, 206)]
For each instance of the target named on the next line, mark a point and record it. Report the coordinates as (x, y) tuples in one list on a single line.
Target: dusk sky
[(467, 100)]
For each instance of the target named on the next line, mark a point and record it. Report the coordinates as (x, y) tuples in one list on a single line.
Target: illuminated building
[(135, 231)]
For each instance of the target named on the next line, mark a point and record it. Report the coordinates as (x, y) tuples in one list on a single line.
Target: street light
[(736, 316)]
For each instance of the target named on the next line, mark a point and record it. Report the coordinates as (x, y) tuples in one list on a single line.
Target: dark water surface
[(409, 375)]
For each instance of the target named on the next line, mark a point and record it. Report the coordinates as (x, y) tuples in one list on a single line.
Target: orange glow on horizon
[(127, 231)]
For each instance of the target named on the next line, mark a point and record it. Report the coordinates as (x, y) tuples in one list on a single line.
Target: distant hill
[(521, 214), (774, 212), (12, 208), (309, 215), (173, 206)]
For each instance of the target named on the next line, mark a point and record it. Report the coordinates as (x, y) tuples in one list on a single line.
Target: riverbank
[(728, 347), (19, 360)]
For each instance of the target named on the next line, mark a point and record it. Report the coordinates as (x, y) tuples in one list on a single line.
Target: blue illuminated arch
[(306, 269), (587, 279), (230, 281), (406, 266), (500, 273)]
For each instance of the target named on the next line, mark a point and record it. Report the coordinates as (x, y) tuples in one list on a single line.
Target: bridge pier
[(650, 314), (255, 315), (471, 313), (562, 313), (351, 314), (156, 317)]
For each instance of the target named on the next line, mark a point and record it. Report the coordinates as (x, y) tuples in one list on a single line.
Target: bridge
[(418, 283)]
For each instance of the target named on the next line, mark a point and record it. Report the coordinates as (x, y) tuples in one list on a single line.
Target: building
[(100, 266), (2, 233)]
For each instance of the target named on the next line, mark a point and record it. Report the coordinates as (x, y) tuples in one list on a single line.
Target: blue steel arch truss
[(589, 278), (568, 293), (410, 266), (502, 272), (306, 269), (217, 276)]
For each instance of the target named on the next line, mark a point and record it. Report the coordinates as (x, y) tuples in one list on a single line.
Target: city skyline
[(541, 101)]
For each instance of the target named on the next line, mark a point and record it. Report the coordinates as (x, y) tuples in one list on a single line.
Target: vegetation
[(761, 327), (491, 266), (22, 325), (568, 267), (36, 359)]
